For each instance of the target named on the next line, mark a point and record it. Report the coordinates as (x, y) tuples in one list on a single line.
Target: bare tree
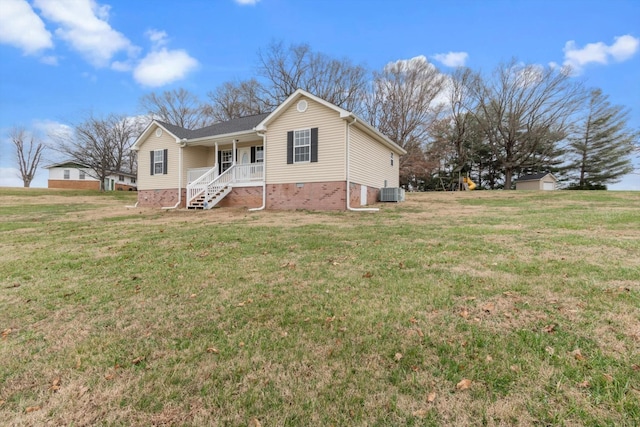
[(402, 106), (297, 67), (177, 107), (28, 153), (460, 103), (524, 111), (237, 99), (101, 144)]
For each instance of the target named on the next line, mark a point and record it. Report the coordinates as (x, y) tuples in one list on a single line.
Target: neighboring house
[(78, 176), (300, 156), (538, 181)]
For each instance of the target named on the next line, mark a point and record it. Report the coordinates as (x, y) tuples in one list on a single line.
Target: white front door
[(244, 161)]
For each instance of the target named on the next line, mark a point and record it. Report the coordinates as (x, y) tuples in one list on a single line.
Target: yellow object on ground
[(469, 183)]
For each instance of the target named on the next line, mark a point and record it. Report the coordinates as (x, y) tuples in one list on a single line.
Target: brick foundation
[(247, 197), (308, 195), (74, 184), (161, 198), (354, 195)]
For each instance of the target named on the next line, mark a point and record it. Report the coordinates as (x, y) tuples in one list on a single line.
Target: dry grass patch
[(127, 316)]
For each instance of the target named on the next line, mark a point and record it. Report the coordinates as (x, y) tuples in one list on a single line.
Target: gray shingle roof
[(178, 131), (222, 128), (533, 177)]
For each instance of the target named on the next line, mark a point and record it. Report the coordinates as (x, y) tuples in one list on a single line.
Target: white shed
[(540, 181)]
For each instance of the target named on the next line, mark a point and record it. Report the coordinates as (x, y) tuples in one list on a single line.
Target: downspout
[(183, 143), (349, 183), (264, 173)]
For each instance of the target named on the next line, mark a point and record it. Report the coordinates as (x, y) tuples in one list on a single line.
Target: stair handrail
[(215, 186), (198, 186)]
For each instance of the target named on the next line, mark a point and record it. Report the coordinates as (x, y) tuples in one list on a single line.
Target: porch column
[(215, 163), (234, 151)]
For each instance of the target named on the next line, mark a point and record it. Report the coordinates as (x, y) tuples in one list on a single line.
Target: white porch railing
[(207, 182), (199, 185), (218, 185), (250, 172), (194, 174)]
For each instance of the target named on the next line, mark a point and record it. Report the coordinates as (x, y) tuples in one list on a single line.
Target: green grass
[(146, 317)]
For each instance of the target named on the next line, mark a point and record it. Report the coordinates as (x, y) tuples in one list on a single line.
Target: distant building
[(77, 176), (540, 181)]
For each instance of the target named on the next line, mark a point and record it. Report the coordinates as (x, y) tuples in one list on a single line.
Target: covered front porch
[(228, 165)]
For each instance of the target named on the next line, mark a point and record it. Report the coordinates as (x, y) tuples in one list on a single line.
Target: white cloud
[(158, 38), (21, 27), (623, 48), (163, 66), (452, 59), (247, 2), (83, 24)]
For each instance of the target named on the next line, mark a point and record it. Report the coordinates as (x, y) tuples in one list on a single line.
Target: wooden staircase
[(207, 201)]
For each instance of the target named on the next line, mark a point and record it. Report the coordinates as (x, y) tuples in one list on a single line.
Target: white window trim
[(392, 158), (229, 162), (302, 146), (67, 174), (260, 149), (81, 174), (158, 159)]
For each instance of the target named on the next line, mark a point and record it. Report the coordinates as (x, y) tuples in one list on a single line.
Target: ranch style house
[(306, 154)]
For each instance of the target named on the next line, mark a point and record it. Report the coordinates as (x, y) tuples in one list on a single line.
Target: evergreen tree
[(600, 149)]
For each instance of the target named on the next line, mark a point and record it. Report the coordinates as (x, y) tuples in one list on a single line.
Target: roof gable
[(262, 126), (342, 114)]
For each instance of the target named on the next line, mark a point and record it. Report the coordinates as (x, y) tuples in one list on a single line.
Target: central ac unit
[(391, 194)]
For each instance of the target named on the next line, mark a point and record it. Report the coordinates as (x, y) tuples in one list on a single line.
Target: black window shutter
[(253, 154), (152, 161), (314, 144), (290, 147), (219, 162), (165, 163)]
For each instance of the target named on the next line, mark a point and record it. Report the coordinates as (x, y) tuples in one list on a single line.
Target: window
[(158, 162), (133, 180), (259, 154), (120, 178), (82, 174), (391, 158), (301, 146), (226, 159), (67, 172)]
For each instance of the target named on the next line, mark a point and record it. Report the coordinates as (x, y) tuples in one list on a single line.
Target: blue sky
[(60, 59)]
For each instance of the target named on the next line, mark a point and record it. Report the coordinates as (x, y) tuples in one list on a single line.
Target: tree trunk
[(507, 178)]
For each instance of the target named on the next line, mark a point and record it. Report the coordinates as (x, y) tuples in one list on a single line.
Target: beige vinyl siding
[(146, 181), (194, 157), (331, 145), (370, 161)]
